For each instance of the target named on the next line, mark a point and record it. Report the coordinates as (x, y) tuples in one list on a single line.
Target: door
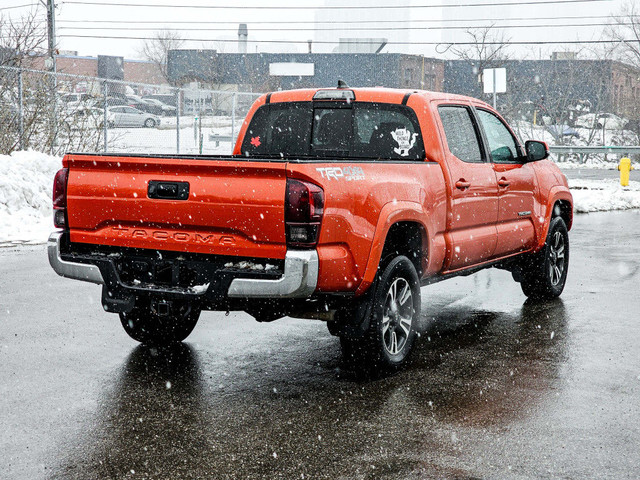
[(516, 186), (133, 117), (118, 116), (473, 190)]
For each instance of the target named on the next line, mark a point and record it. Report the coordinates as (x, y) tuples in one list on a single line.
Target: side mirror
[(536, 150)]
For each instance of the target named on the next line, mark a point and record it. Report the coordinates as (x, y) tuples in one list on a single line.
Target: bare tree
[(625, 29), (488, 49), (21, 39), (157, 49), (27, 97)]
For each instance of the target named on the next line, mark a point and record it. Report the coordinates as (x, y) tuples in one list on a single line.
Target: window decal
[(255, 141), (405, 141)]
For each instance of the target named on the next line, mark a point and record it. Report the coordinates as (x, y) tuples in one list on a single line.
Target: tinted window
[(460, 132), (360, 130), (501, 143), (331, 132), (279, 129), (386, 131)]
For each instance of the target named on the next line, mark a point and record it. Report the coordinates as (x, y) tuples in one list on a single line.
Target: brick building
[(556, 85), (139, 71), (262, 72)]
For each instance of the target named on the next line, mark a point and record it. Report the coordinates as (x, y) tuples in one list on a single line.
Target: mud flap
[(353, 322), (117, 304)]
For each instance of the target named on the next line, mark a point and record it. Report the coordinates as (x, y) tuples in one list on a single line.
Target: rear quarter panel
[(362, 201)]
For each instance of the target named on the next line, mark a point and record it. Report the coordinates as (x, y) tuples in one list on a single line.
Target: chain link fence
[(58, 113)]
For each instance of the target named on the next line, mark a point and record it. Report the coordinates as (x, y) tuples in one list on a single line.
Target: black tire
[(394, 316), (145, 325), (149, 123), (544, 274)]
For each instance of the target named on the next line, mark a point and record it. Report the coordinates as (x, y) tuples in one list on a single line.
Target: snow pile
[(25, 196), (603, 195)]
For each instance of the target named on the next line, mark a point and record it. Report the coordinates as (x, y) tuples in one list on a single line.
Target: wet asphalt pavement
[(498, 388)]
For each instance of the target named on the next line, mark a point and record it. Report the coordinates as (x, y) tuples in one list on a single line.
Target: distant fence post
[(177, 120), (20, 110), (53, 84), (105, 119), (233, 118)]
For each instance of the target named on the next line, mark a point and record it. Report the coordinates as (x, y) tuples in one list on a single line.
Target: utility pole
[(50, 63), (51, 33)]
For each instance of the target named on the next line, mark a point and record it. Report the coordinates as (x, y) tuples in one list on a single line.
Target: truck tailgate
[(232, 207)]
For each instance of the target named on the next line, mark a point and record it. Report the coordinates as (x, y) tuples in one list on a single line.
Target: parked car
[(337, 204), (609, 121), (115, 101), (125, 116), (76, 97), (167, 110), (560, 131), (89, 117), (137, 102)]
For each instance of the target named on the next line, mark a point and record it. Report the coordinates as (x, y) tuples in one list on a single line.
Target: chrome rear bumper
[(299, 280), (79, 271)]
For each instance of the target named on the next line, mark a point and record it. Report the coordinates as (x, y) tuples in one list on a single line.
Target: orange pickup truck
[(337, 204)]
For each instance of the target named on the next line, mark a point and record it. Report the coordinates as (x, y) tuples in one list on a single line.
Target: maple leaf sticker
[(255, 141)]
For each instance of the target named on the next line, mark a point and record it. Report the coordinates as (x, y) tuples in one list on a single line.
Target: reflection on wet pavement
[(165, 414), (499, 387)]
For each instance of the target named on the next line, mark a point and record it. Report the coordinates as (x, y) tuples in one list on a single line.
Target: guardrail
[(623, 150)]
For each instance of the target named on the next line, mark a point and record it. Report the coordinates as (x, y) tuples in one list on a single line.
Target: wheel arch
[(400, 231), (560, 204)]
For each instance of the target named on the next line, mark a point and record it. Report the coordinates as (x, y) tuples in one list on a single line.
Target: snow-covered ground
[(27, 179)]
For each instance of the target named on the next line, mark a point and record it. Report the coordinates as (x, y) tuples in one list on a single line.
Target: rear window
[(334, 129)]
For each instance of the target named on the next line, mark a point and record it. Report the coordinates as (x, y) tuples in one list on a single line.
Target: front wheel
[(394, 316), (149, 123), (544, 274), (154, 323)]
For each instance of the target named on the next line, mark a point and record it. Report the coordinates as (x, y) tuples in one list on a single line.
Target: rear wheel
[(157, 323), (394, 315), (544, 274)]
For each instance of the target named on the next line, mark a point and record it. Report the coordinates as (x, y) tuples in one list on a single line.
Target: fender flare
[(390, 214), (556, 194)]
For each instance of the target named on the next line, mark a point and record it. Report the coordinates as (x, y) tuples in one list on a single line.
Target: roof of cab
[(369, 94)]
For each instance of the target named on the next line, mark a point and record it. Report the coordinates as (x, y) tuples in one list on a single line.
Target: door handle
[(168, 190), (504, 183), (462, 185)]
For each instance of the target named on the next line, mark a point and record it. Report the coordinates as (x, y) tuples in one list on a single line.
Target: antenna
[(342, 84)]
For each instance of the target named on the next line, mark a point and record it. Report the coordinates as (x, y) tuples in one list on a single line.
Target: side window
[(501, 143), (460, 132)]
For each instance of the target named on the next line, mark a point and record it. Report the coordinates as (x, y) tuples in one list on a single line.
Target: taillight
[(304, 207), (60, 198)]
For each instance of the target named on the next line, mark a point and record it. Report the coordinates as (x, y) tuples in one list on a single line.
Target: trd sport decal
[(348, 173)]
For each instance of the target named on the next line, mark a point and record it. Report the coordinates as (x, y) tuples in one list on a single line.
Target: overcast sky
[(423, 22)]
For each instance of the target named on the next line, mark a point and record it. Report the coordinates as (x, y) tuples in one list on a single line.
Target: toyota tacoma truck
[(336, 204)]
